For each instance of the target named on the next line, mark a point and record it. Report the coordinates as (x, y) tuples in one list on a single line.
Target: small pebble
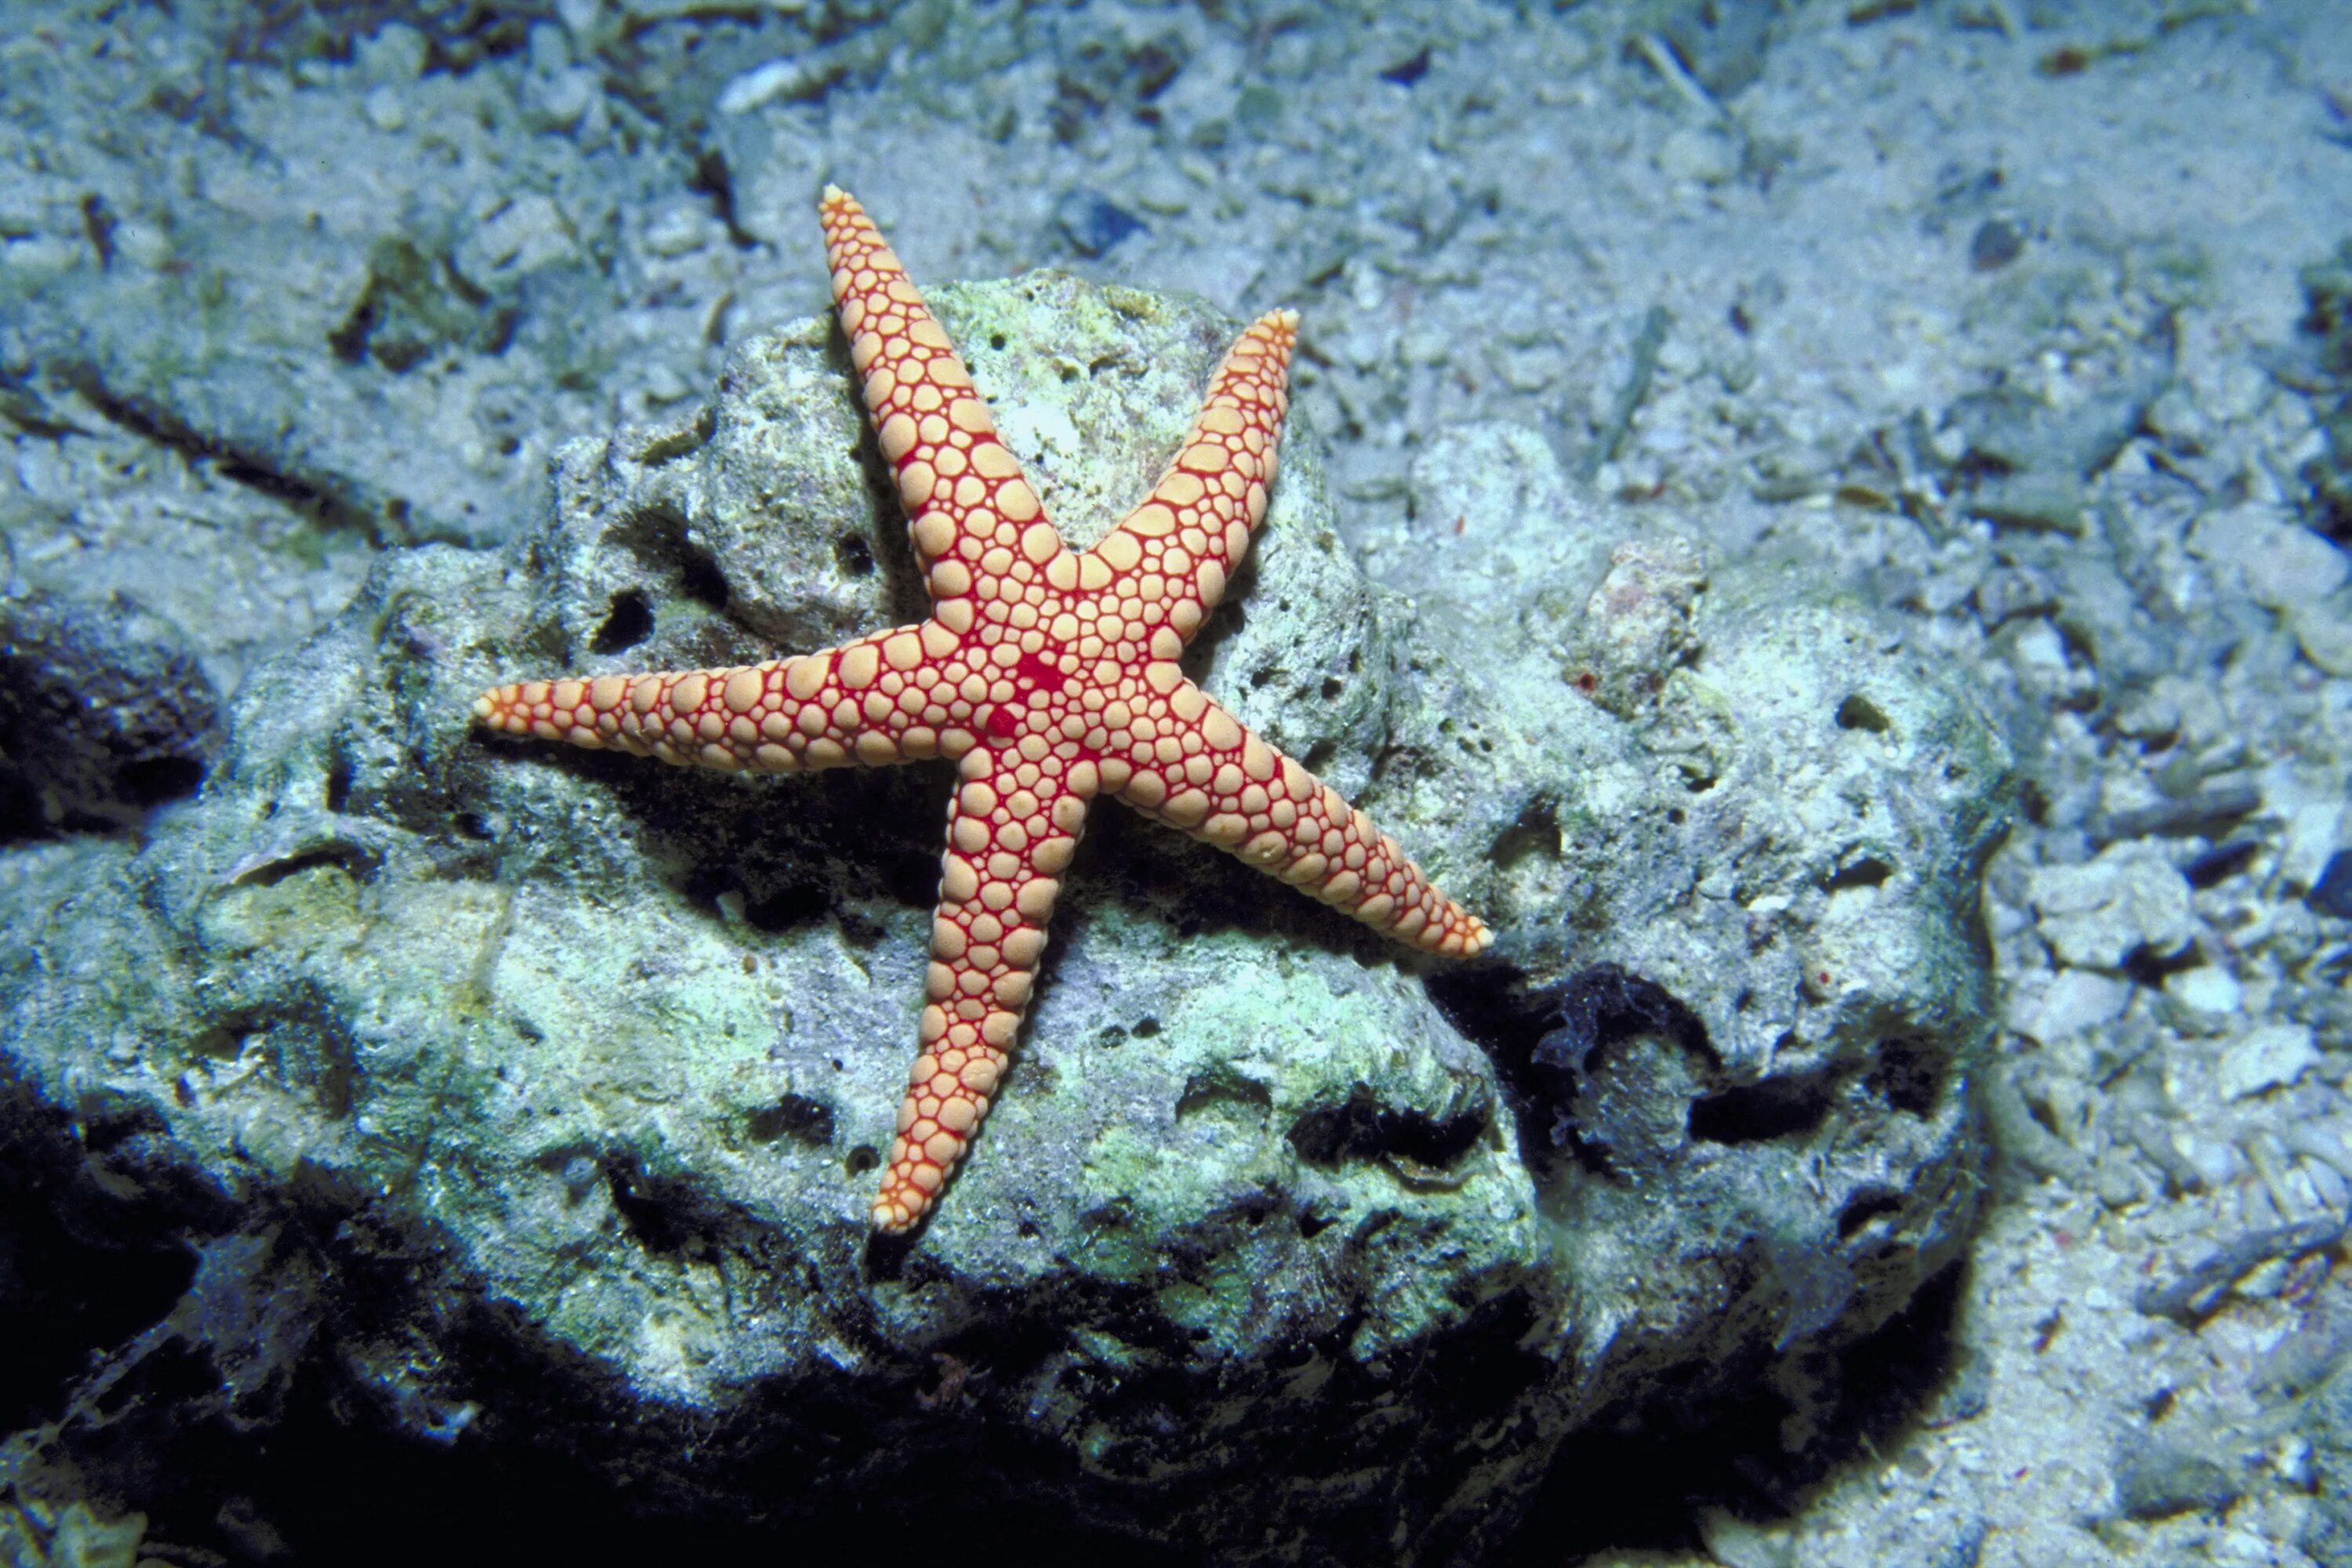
[(2267, 1058), (2323, 629), (2264, 1280), (2282, 563), (2213, 806), (548, 48), (1995, 245), (2097, 915), (2156, 1480), (1736, 1542), (2203, 995), (2076, 1001), (557, 102), (385, 109), (786, 79), (676, 228), (2214, 1160), (397, 53), (1091, 222), (1698, 152), (1163, 192), (2048, 503)]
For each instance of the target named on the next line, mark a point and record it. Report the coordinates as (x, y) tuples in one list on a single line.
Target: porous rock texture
[(514, 1057)]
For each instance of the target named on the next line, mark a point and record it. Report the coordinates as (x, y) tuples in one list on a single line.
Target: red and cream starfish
[(1049, 676)]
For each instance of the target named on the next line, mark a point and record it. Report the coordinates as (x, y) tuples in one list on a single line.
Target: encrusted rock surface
[(104, 711), (1272, 1249)]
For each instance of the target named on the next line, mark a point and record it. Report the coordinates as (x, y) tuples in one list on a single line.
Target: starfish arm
[(1194, 528), (962, 489), (871, 701), (1010, 831), (1241, 795)]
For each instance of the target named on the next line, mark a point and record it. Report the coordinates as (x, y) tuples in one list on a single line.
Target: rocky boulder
[(552, 1084)]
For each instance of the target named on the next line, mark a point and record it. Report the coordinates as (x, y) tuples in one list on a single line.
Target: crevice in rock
[(1909, 1074), (1364, 1129), (629, 622), (1207, 1093), (1861, 872), (793, 1116), (1787, 1105), (666, 1216), (1550, 1045)]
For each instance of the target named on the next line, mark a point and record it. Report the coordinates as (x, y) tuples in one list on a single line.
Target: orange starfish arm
[(888, 698), (1231, 789), (1193, 530), (1012, 827), (973, 519)]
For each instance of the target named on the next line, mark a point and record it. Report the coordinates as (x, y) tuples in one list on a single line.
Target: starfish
[(1048, 675)]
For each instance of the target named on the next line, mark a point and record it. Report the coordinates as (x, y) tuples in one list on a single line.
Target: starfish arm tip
[(1257, 803)]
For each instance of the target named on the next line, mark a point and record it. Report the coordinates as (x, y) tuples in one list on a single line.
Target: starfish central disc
[(1048, 675)]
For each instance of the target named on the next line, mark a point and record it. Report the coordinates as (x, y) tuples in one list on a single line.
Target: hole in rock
[(1363, 1129), (1862, 1210), (1859, 712), (1909, 1074), (793, 1116), (1758, 1113), (629, 622), (1869, 871)]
